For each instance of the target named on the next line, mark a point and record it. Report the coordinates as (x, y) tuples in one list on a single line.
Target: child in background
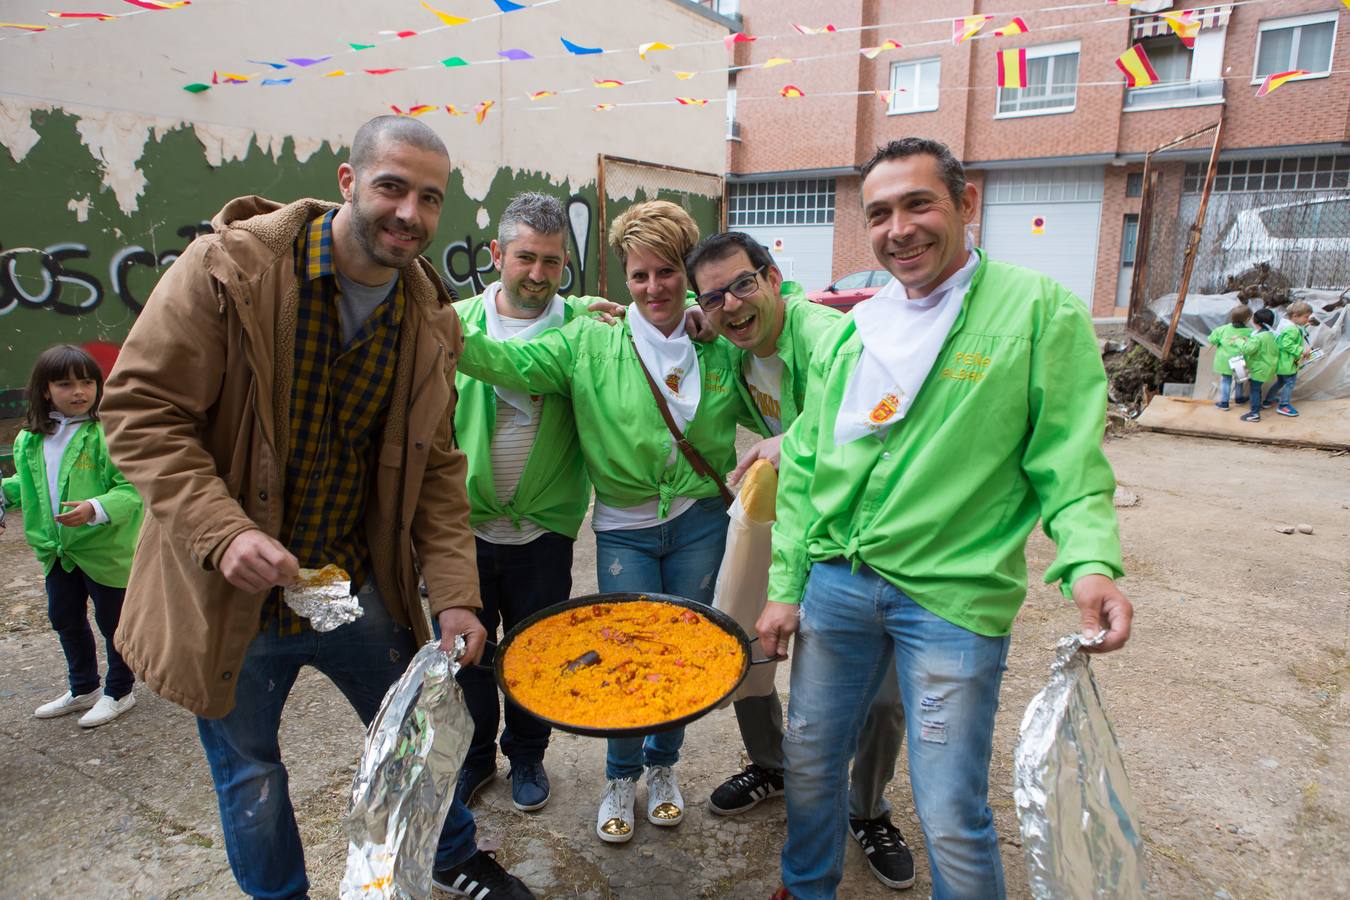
[(82, 518), (1292, 341), (1261, 355), (1231, 339)]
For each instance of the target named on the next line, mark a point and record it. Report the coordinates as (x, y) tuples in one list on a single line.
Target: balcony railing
[(1174, 93)]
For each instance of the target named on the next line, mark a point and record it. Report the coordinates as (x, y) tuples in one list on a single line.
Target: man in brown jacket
[(286, 400)]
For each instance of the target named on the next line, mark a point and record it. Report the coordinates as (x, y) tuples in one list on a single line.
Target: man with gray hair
[(527, 484)]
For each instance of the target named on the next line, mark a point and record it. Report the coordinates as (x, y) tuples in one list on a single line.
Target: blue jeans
[(363, 658), (949, 681), (1225, 387), (515, 580), (1255, 388), (68, 594), (1283, 389), (679, 557)]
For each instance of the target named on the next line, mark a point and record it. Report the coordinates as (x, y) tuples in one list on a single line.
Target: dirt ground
[(1228, 704)]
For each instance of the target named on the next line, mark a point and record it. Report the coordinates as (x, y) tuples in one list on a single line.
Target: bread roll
[(759, 490)]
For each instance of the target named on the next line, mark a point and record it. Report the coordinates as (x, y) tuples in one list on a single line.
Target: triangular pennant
[(579, 50), (644, 49), (966, 27), (447, 18), (791, 90), (1273, 81), (737, 37), (1017, 26), (481, 110)]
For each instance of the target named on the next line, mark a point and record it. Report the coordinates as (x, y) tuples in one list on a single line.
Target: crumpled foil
[(1080, 832), (325, 605), (405, 782)]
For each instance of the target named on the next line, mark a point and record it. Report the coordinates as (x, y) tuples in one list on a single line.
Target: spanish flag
[(25, 27), (1138, 70), (101, 17), (807, 29), (791, 90), (481, 110), (1275, 80), (1017, 26), (966, 27), (540, 95), (1012, 68), (420, 109), (160, 4), (603, 107), (453, 110), (607, 82), (690, 101), (1185, 26), (874, 52)]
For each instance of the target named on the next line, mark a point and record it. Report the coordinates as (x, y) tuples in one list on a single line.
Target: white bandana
[(551, 317), (901, 338), (672, 363)]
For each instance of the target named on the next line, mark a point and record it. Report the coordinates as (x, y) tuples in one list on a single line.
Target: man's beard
[(524, 301), (367, 232)]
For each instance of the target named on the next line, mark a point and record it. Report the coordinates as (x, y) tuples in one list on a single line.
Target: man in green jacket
[(944, 417), (527, 484), (747, 301)]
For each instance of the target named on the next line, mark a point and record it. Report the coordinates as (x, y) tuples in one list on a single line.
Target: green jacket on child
[(1291, 340), (1261, 354), (1231, 341)]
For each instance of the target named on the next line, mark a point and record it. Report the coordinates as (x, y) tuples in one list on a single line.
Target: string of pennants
[(1011, 64)]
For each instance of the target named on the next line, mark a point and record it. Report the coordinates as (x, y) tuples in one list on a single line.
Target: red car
[(851, 290)]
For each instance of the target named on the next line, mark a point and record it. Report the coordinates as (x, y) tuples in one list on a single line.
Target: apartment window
[(1178, 83), (1052, 82), (1298, 42), (1291, 173), (793, 201), (1129, 237), (1134, 184), (915, 85)]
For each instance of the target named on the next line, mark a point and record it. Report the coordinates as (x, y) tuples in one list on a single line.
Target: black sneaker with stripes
[(886, 851), (741, 792), (481, 878)]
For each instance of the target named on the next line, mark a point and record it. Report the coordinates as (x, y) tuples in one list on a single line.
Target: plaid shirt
[(339, 400)]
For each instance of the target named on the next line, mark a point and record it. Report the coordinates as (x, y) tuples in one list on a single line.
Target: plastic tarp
[(1325, 379)]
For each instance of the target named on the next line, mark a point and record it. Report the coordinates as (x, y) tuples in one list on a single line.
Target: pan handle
[(767, 659)]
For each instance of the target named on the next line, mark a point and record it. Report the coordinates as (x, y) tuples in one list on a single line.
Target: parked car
[(1307, 242), (851, 290)]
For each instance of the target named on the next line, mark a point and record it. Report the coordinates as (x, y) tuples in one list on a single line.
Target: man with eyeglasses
[(746, 300)]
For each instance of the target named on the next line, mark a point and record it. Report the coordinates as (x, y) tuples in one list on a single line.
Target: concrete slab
[(1320, 423)]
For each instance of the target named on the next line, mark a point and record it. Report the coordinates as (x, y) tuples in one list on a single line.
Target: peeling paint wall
[(104, 183)]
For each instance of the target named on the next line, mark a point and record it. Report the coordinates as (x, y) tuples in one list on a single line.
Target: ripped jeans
[(362, 658), (949, 681), (679, 557)]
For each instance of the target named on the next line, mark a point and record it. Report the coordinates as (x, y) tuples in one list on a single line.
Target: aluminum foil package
[(324, 596), (406, 780), (1080, 832)]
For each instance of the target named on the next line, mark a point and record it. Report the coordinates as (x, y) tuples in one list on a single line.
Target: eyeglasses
[(740, 288)]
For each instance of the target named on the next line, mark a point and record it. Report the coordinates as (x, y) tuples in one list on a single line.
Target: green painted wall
[(66, 281)]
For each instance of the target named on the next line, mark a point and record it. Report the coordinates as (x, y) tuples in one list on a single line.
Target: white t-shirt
[(765, 379), (511, 445)]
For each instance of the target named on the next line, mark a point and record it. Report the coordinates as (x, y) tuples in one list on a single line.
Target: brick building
[(1067, 150)]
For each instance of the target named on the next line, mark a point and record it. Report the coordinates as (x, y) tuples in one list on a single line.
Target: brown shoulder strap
[(689, 450)]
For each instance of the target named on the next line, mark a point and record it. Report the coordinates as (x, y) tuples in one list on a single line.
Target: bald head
[(397, 129)]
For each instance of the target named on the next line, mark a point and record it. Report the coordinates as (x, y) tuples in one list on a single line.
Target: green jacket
[(1261, 354), (804, 324), (1231, 341), (1291, 341), (624, 440), (1006, 430), (103, 551), (553, 491)]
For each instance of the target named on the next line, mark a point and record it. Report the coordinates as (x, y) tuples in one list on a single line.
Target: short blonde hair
[(657, 226), (1298, 308)]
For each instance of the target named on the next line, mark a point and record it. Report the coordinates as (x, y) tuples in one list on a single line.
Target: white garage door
[(1047, 220), (803, 252)]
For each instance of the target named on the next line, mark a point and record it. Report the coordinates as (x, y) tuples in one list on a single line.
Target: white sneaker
[(614, 823), (665, 806), (68, 703), (107, 709)]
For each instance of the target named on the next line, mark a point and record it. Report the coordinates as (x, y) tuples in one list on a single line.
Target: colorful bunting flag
[(305, 61), (23, 27), (874, 52), (540, 95), (966, 27), (229, 78), (1185, 26), (271, 82), (454, 62), (887, 95), (607, 83), (1017, 26), (1012, 68), (481, 110), (791, 91), (445, 17), (514, 53), (453, 110), (603, 107), (402, 34), (685, 76), (360, 46), (101, 17), (776, 61), (196, 87), (1271, 82), (1138, 70), (507, 6), (578, 50), (690, 101), (738, 37), (421, 109), (644, 49), (807, 29), (383, 71), (263, 62), (160, 4), (336, 73)]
